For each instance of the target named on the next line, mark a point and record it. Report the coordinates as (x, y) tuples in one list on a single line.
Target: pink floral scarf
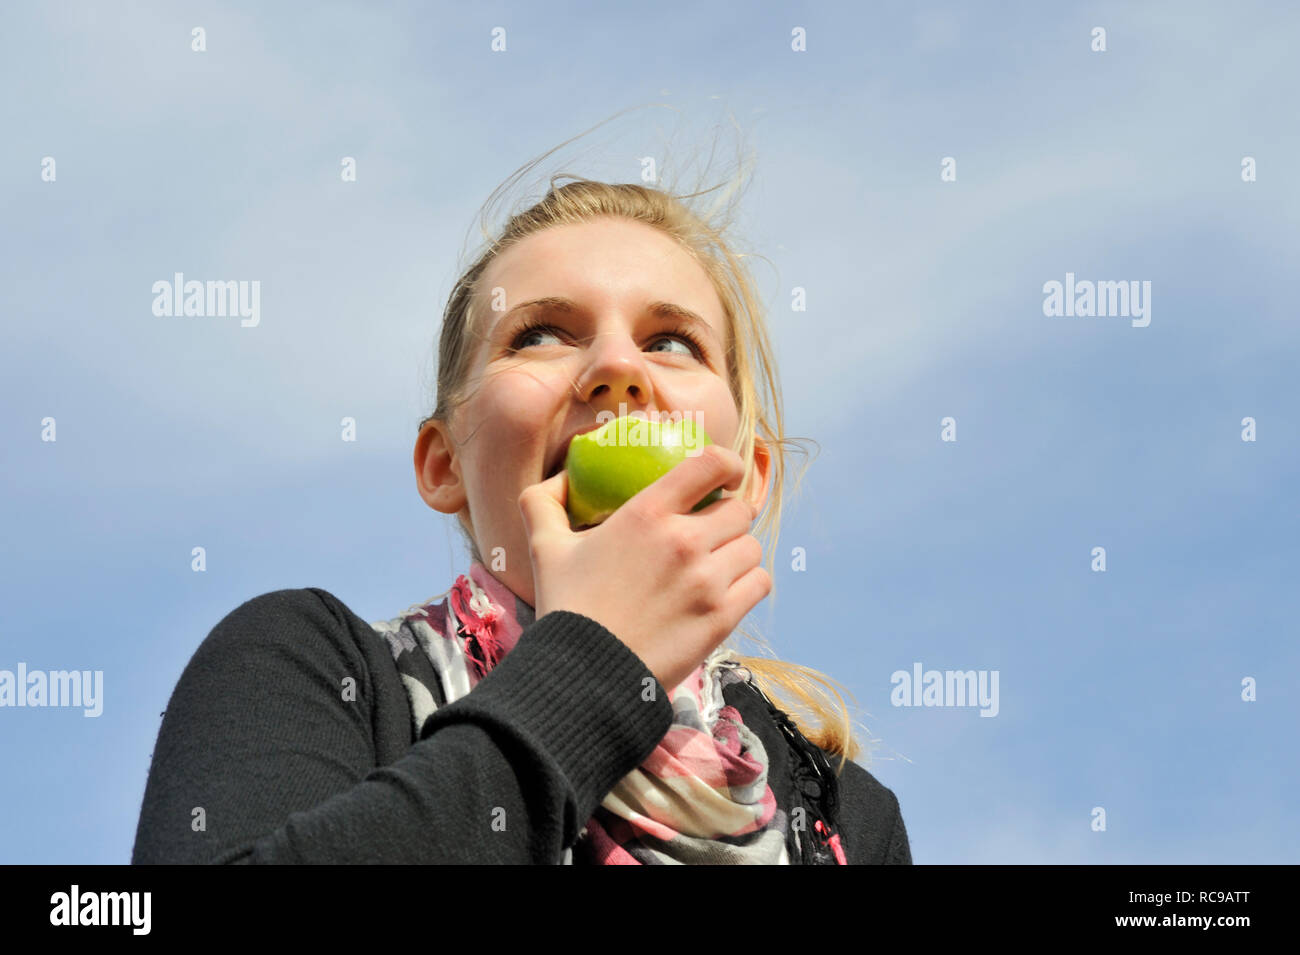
[(701, 797)]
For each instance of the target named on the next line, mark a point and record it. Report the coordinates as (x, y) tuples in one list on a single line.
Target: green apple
[(608, 466)]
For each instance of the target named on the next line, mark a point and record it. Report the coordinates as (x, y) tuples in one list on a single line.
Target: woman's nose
[(616, 370)]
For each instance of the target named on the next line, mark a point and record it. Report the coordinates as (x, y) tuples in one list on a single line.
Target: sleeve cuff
[(576, 693)]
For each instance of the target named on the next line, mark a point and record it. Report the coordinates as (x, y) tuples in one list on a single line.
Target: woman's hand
[(669, 583)]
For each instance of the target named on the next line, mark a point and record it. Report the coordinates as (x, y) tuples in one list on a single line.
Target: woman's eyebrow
[(555, 303)]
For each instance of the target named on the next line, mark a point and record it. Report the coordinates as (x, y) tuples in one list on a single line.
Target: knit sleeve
[(899, 850), (871, 820), (267, 753)]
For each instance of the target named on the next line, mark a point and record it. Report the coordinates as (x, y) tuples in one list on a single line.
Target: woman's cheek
[(527, 392)]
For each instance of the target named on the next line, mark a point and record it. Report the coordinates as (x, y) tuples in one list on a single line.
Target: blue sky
[(1119, 689)]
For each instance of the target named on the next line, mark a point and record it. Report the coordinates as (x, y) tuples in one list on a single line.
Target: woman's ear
[(762, 474), (437, 469)]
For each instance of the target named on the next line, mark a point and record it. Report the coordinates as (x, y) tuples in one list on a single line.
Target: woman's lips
[(563, 452)]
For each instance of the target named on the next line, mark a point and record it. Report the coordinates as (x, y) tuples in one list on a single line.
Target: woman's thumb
[(543, 505)]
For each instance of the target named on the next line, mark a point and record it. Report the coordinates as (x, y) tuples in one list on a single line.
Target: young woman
[(572, 699)]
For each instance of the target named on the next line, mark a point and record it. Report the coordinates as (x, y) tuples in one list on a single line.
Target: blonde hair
[(799, 690)]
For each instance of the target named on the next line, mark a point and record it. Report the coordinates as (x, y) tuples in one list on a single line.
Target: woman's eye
[(685, 345), (523, 339), (528, 333)]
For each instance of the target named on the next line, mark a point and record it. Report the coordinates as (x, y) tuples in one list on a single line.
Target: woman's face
[(533, 390)]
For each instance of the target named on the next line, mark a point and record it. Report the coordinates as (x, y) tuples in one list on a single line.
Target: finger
[(694, 478), (736, 558), (724, 521), (543, 504), (746, 593), (743, 596)]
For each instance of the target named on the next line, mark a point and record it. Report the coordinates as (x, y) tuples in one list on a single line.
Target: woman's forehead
[(620, 249)]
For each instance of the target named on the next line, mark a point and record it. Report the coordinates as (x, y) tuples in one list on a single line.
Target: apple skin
[(604, 476)]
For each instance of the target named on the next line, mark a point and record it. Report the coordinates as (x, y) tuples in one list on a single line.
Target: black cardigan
[(288, 739)]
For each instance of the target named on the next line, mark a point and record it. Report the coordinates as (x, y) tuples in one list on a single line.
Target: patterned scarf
[(701, 797)]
